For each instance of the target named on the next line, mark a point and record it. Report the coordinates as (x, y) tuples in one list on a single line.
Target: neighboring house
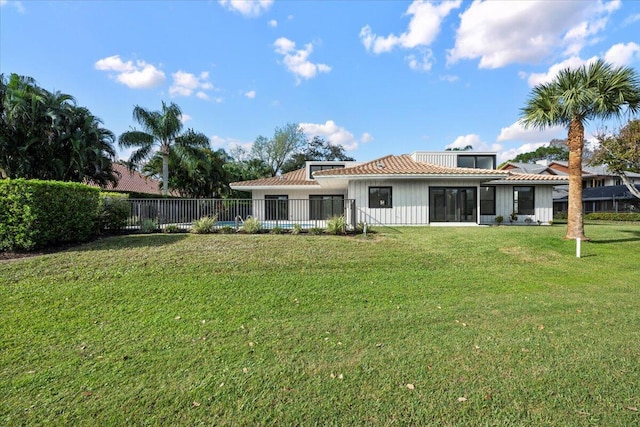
[(133, 182), (462, 188), (612, 198), (602, 189)]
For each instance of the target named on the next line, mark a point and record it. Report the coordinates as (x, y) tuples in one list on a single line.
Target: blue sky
[(378, 77)]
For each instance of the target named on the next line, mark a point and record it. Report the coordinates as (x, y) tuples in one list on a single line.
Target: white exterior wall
[(504, 205), (299, 201), (410, 200), (449, 159)]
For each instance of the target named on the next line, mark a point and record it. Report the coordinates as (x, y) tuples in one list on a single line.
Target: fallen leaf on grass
[(177, 318), (462, 399), (632, 408), (411, 386), (87, 393), (195, 404), (540, 327)]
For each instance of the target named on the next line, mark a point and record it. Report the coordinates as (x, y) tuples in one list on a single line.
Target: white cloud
[(527, 31), (511, 153), (422, 63), (297, 60), (251, 94), (423, 28), (334, 134), (273, 23), (16, 4), (631, 19), (249, 8), (366, 137), (184, 118), (474, 141), (623, 54), (449, 78), (517, 132), (573, 62), (186, 84), (136, 76)]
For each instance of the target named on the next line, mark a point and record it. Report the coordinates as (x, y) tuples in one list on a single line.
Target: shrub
[(113, 211), (297, 228), (149, 226), (204, 225), (36, 214), (337, 225), (277, 230), (227, 229), (251, 225), (528, 220), (316, 231), (513, 217), (613, 216), (499, 219), (172, 228)]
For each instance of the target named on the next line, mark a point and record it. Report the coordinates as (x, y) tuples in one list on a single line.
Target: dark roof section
[(132, 182), (619, 192), (296, 177)]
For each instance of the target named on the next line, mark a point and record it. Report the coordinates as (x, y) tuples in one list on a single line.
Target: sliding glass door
[(452, 204)]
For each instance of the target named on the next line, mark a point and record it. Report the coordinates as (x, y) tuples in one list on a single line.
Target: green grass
[(487, 326)]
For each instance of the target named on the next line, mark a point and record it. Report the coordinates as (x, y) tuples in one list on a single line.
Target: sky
[(377, 77)]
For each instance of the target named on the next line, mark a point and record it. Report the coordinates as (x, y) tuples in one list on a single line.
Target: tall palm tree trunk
[(575, 225), (165, 173)]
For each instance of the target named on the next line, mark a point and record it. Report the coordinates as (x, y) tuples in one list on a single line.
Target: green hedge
[(613, 216), (35, 214), (113, 211)]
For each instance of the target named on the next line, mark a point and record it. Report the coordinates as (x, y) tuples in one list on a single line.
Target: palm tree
[(161, 128), (597, 91)]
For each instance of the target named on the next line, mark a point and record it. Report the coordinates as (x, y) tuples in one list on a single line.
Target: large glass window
[(457, 204), (476, 162), (276, 207), (316, 168), (524, 200), (323, 207), (487, 200), (380, 197)]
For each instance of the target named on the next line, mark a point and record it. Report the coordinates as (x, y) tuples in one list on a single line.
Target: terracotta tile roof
[(515, 176), (404, 165), (297, 177), (133, 182)]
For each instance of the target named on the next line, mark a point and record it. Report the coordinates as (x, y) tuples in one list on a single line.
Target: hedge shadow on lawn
[(635, 233)]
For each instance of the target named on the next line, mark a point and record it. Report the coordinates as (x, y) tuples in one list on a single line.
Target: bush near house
[(613, 216), (36, 214), (113, 211)]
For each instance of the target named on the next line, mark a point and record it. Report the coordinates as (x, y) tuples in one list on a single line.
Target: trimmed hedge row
[(613, 216), (36, 214)]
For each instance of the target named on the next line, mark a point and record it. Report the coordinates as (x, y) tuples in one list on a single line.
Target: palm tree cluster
[(45, 135), (572, 99)]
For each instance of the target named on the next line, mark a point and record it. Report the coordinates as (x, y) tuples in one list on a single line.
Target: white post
[(578, 247)]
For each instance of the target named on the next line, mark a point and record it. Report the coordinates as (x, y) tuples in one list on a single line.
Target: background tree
[(596, 91), (203, 176), (551, 152), (465, 148), (45, 135), (621, 153), (274, 152), (316, 149), (162, 129)]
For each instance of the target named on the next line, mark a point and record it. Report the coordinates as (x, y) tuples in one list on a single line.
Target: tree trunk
[(630, 185), (575, 224), (165, 174)]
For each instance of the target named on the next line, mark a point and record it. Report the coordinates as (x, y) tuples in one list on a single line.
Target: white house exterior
[(424, 188)]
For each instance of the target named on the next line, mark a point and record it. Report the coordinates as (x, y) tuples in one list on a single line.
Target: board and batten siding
[(504, 205), (449, 160), (298, 201), (410, 200)]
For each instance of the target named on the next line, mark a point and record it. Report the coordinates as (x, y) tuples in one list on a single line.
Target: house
[(133, 182), (423, 188), (602, 189)]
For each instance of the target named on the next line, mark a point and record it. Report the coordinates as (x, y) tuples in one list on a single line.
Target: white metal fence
[(276, 212)]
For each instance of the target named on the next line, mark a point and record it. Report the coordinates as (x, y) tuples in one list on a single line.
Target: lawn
[(486, 326)]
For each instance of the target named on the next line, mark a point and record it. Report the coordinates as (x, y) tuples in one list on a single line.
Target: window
[(316, 168), (487, 200), (523, 200), (452, 204), (323, 207), (380, 197), (276, 208), (476, 162)]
